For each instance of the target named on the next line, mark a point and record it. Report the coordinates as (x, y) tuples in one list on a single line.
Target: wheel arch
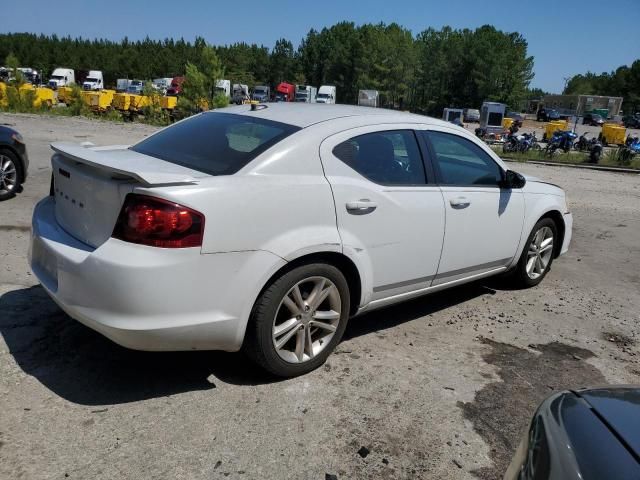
[(338, 260), (556, 217)]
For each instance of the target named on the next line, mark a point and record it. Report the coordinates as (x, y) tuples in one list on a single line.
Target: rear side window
[(215, 143), (387, 158), (462, 162)]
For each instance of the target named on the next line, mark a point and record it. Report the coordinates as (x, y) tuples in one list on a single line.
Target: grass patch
[(610, 158)]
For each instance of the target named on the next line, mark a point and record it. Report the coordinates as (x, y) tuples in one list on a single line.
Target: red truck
[(285, 92), (176, 86)]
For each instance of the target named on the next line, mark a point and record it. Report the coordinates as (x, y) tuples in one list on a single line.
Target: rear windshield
[(215, 143)]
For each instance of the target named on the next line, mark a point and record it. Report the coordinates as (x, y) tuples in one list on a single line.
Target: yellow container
[(121, 101), (64, 94), (102, 100), (168, 103), (86, 97), (3, 95), (507, 122), (613, 133), (554, 126), (138, 102), (44, 96)]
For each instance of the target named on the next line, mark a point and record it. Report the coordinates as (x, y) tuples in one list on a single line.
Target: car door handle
[(361, 207), (460, 202)]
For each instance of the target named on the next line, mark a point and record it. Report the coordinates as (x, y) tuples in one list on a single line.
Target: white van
[(94, 81), (326, 94), (62, 77)]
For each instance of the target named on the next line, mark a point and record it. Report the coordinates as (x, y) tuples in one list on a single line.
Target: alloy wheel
[(306, 319), (539, 253), (8, 174)]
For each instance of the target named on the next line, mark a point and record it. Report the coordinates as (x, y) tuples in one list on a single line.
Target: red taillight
[(158, 223)]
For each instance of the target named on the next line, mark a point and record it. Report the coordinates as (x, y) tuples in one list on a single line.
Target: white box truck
[(326, 94), (368, 98), (122, 84), (491, 115), (62, 77), (161, 85), (240, 93), (224, 87), (306, 94), (94, 81), (453, 114)]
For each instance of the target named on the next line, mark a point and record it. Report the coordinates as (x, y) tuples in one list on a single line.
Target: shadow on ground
[(501, 411), (84, 367)]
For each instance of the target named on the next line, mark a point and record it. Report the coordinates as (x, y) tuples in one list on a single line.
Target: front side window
[(462, 162), (387, 158), (215, 143)]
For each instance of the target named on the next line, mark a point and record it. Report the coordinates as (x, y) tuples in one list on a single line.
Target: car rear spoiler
[(120, 160)]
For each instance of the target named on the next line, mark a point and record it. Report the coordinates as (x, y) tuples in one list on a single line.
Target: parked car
[(518, 118), (592, 119), (180, 243), (261, 93), (582, 434), (545, 115), (14, 162), (326, 94), (471, 115)]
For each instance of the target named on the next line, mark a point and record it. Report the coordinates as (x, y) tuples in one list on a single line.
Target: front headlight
[(18, 138)]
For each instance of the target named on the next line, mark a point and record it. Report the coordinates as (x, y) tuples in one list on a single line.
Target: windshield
[(323, 95), (597, 117), (90, 79), (259, 91), (57, 77), (215, 143)]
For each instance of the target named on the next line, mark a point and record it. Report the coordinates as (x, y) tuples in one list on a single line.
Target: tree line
[(623, 82), (425, 73)]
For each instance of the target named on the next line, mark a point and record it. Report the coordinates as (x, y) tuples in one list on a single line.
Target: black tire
[(519, 274), (258, 343), (6, 194)]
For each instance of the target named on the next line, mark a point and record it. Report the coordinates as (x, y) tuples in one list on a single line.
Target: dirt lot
[(441, 387)]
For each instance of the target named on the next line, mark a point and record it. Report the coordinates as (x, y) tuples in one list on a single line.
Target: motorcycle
[(630, 149), (561, 140), (529, 141), (595, 150)]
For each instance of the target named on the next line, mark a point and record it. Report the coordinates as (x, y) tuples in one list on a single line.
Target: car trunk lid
[(90, 184)]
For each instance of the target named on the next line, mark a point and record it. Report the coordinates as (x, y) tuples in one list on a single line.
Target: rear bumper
[(149, 298), (568, 231)]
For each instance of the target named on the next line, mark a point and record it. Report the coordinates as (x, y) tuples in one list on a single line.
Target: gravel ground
[(440, 387)]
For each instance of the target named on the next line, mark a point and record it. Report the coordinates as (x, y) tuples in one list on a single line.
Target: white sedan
[(264, 228)]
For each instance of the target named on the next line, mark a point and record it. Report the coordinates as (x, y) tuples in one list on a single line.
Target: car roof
[(304, 114)]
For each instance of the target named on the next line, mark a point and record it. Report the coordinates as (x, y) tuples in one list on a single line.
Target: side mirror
[(513, 180)]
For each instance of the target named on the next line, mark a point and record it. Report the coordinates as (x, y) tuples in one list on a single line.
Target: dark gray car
[(582, 435)]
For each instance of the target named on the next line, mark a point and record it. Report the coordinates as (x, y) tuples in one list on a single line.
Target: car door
[(483, 221), (388, 213)]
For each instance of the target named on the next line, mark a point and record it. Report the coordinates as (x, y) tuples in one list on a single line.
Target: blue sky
[(565, 37)]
